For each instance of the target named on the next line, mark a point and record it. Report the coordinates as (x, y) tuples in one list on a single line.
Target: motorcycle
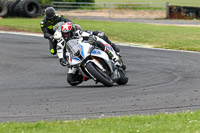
[(94, 63)]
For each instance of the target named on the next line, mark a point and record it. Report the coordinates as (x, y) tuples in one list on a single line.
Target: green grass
[(171, 37), (172, 2), (159, 36), (22, 23), (187, 122)]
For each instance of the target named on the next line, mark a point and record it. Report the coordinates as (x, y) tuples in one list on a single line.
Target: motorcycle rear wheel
[(123, 78), (101, 76)]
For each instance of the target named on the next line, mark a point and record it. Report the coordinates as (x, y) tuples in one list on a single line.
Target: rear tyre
[(11, 7), (123, 78), (101, 76), (7, 3), (28, 8), (3, 9)]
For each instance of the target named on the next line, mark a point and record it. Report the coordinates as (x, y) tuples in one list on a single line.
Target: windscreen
[(58, 26), (73, 47)]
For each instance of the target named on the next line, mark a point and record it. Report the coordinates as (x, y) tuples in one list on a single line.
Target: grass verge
[(159, 36), (187, 122)]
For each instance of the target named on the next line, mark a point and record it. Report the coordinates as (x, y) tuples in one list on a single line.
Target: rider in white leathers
[(68, 32)]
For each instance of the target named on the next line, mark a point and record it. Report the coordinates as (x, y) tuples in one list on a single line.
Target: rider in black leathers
[(49, 21)]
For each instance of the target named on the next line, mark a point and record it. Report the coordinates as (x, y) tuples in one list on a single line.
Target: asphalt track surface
[(33, 84)]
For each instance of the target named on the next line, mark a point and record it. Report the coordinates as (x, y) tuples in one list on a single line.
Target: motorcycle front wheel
[(101, 76)]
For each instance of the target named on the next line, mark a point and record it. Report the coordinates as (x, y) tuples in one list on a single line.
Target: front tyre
[(101, 76)]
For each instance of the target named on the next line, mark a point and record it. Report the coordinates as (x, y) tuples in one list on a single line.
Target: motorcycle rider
[(49, 21), (69, 32), (99, 34)]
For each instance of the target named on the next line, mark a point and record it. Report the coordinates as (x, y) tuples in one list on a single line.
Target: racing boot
[(117, 50)]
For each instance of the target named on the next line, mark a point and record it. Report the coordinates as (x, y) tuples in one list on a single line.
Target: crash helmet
[(50, 12), (68, 30), (77, 27)]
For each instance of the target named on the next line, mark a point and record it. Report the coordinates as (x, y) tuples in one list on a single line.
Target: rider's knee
[(74, 79)]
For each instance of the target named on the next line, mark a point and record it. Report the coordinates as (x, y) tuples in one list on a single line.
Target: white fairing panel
[(73, 60), (85, 52)]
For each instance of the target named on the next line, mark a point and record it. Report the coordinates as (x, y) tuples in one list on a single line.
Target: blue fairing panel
[(82, 51), (96, 52)]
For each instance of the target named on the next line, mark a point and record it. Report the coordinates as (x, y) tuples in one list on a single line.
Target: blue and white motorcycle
[(94, 63)]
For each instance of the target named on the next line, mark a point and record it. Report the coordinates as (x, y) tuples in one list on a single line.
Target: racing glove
[(101, 34), (51, 37)]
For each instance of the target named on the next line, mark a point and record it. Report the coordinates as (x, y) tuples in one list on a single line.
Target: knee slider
[(74, 79)]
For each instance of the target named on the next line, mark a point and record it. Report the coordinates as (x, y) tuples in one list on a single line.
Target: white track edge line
[(118, 43)]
